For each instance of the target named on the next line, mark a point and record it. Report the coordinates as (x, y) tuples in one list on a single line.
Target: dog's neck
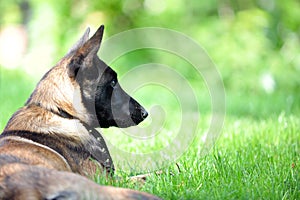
[(64, 114), (98, 148)]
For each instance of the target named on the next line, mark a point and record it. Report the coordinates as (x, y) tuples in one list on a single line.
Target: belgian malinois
[(50, 145)]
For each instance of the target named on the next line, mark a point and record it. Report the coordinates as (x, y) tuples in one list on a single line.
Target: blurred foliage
[(247, 39)]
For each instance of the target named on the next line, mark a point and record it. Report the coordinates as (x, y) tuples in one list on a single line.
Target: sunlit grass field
[(255, 157), (252, 159)]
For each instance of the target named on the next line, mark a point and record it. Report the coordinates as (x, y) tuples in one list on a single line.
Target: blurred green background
[(255, 45)]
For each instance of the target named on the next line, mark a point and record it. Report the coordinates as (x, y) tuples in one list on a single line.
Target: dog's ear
[(91, 47), (80, 42), (87, 51)]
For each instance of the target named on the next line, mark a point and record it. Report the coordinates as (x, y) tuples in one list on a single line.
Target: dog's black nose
[(144, 113)]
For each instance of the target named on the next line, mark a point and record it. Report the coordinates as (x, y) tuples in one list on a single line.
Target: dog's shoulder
[(80, 147)]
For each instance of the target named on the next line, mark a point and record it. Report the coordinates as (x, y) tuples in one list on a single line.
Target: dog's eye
[(113, 83)]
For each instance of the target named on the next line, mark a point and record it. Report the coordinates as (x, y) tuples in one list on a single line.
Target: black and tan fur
[(50, 145)]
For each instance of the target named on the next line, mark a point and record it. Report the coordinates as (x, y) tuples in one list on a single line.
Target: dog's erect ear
[(80, 42), (92, 46), (88, 50)]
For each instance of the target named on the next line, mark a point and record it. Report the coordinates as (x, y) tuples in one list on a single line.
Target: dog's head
[(89, 89)]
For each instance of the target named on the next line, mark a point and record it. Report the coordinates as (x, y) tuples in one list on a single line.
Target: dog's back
[(31, 170), (21, 181)]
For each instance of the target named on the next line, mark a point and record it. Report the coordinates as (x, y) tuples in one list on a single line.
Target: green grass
[(255, 157), (251, 160)]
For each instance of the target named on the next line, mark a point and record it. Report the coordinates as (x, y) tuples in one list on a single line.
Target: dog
[(50, 147)]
